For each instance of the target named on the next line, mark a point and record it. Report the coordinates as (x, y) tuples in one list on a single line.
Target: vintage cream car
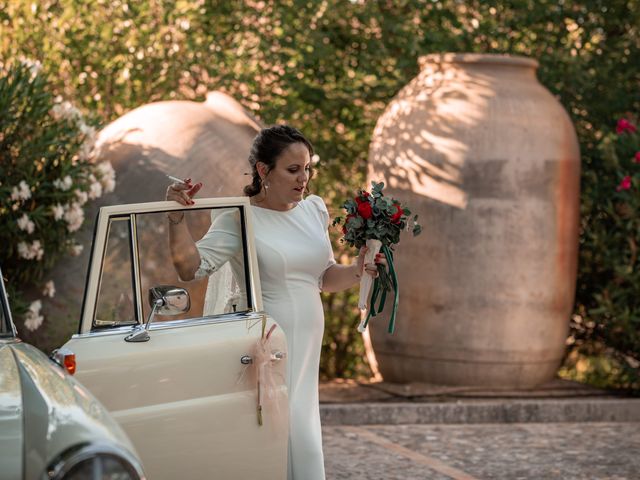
[(173, 362), (51, 427)]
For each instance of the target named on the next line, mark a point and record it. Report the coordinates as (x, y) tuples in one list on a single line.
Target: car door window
[(115, 305), (137, 258), (222, 286)]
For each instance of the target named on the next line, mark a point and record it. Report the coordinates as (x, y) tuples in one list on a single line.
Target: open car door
[(185, 390)]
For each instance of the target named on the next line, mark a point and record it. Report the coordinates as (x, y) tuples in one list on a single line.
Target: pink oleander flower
[(624, 126), (625, 184), (636, 158)]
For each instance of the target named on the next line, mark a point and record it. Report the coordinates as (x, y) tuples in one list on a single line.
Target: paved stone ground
[(483, 451)]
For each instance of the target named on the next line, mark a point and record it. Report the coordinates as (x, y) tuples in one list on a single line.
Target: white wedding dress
[(294, 251)]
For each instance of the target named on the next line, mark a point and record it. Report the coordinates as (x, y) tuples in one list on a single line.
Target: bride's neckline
[(277, 211)]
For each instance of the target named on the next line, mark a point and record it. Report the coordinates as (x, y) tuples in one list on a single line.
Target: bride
[(296, 263)]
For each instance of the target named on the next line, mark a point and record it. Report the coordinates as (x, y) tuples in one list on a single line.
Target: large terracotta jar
[(489, 160)]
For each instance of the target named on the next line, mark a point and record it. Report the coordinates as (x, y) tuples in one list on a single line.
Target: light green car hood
[(44, 412)]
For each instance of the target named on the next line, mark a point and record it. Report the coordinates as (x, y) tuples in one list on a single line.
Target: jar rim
[(478, 58)]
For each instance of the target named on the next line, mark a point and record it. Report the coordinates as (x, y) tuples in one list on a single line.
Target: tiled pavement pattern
[(483, 451)]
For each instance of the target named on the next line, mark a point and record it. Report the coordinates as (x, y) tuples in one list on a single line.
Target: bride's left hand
[(370, 268)]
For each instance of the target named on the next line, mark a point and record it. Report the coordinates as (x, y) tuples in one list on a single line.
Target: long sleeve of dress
[(221, 243)]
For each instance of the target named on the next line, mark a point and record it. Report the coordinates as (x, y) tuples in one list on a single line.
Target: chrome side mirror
[(164, 300)]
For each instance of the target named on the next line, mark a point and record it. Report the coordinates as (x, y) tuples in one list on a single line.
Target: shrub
[(47, 175), (607, 325)]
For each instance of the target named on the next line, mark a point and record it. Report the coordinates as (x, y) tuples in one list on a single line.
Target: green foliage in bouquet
[(609, 322), (371, 215), (47, 175)]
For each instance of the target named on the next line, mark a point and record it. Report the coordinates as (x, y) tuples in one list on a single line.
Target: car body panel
[(45, 412), (61, 412), (11, 413), (184, 398)]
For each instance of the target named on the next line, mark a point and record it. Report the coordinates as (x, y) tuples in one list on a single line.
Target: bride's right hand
[(183, 192)]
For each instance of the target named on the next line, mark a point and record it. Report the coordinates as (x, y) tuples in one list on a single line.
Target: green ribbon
[(378, 289)]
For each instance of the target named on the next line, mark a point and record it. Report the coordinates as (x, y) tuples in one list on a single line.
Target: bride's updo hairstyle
[(267, 147)]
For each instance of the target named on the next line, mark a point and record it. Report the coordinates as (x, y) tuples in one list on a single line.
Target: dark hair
[(267, 147)]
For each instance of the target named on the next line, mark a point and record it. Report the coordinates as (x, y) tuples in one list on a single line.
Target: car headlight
[(95, 462)]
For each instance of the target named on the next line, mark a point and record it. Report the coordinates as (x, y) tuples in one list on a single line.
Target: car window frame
[(98, 251), (11, 331)]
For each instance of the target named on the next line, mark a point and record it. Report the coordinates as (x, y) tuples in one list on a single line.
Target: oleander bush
[(47, 175)]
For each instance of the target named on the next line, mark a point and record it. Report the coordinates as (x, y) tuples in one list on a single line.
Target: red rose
[(636, 158), (362, 198), (625, 125), (625, 184), (364, 210), (395, 218)]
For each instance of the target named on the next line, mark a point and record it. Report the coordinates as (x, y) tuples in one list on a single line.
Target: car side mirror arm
[(165, 300), (141, 332)]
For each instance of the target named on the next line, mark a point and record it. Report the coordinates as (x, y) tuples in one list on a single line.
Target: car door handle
[(276, 356)]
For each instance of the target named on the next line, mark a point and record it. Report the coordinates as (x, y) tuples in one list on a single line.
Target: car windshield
[(5, 327)]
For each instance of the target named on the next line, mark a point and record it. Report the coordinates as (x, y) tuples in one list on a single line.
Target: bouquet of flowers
[(376, 221)]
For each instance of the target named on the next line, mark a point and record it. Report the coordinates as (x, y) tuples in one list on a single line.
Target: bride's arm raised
[(184, 254)]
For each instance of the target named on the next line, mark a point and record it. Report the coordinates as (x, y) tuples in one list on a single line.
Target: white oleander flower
[(24, 223), (76, 249), (65, 110), (74, 216), (58, 211), (82, 197), (21, 192), (107, 176), (49, 289), (63, 184), (34, 66), (95, 190), (86, 149), (87, 130), (30, 251), (33, 319)]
